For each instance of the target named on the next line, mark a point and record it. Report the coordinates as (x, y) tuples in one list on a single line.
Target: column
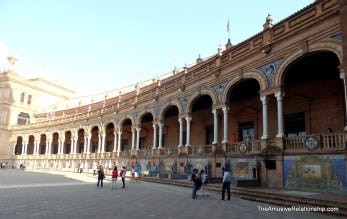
[(73, 146), (115, 141), (265, 127), (215, 126), (85, 145), (160, 135), (25, 148), (103, 143), (154, 136), (133, 133), (14, 148), (225, 124), (180, 143), (138, 138), (59, 145), (48, 147), (62, 142), (342, 76), (279, 97), (37, 145), (88, 145), (188, 119), (99, 142), (35, 148), (119, 140)]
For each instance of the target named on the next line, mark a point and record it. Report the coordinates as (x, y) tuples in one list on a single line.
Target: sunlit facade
[(271, 108)]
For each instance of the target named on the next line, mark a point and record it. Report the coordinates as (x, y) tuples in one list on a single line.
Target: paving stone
[(43, 195)]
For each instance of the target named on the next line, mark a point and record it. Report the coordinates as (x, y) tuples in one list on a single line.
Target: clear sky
[(94, 46)]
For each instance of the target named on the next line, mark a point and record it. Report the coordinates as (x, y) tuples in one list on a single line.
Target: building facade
[(271, 108)]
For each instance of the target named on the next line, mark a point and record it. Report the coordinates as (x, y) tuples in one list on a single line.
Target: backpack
[(121, 173)]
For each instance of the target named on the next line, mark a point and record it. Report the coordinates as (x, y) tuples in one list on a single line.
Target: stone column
[(188, 119), (115, 141), (279, 96), (215, 126), (48, 147), (14, 148), (133, 133), (35, 148), (103, 143), (343, 77), (225, 124), (265, 125), (99, 142), (138, 138), (180, 143), (73, 146), (161, 125), (88, 145), (119, 141), (62, 145), (154, 136), (25, 148)]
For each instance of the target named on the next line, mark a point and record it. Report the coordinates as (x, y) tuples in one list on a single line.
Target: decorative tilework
[(183, 102), (331, 175), (337, 36), (157, 110), (219, 88), (269, 70)]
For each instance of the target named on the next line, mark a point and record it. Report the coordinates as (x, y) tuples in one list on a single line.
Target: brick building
[(271, 108)]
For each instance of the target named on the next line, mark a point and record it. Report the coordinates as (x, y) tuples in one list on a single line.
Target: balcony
[(321, 143)]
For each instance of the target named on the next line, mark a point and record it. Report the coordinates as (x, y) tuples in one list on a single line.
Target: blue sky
[(93, 46)]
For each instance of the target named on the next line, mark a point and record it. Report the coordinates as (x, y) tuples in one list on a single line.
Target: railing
[(253, 146), (325, 142)]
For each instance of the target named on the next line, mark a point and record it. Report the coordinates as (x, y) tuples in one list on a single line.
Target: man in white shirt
[(226, 183)]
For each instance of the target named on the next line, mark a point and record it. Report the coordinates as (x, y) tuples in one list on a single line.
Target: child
[(114, 178)]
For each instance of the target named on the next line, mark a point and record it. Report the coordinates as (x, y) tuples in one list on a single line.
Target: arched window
[(23, 118), (29, 99), (22, 98)]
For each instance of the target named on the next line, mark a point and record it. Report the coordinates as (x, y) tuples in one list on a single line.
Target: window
[(29, 99), (295, 124), (23, 118), (22, 96), (246, 131)]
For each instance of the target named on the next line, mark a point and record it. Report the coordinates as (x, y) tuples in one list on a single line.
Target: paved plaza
[(28, 194)]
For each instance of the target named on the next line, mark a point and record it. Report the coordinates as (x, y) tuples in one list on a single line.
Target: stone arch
[(122, 120), (327, 45), (257, 75), (166, 106), (205, 91), (139, 118)]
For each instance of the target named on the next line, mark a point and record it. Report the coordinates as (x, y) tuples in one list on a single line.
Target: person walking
[(195, 178), (101, 176), (114, 178), (132, 179), (122, 174), (226, 183)]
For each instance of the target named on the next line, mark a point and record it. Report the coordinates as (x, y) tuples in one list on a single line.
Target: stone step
[(277, 197)]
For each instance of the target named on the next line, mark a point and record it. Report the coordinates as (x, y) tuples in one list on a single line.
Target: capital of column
[(263, 99), (225, 109), (279, 95), (188, 118), (214, 111), (138, 129)]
